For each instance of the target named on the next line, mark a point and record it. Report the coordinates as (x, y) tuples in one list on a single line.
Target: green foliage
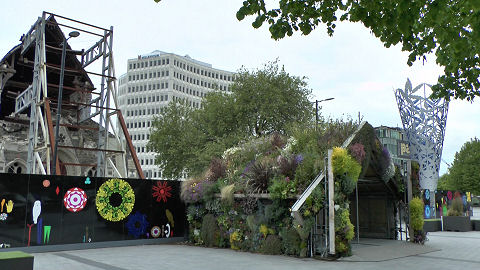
[(314, 203), (416, 214), (282, 188), (272, 245), (259, 175), (174, 139), (456, 208), (307, 170), (344, 232), (463, 174), (269, 99), (291, 241), (344, 165), (447, 28), (210, 231)]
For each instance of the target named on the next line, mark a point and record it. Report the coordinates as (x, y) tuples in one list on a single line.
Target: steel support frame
[(40, 111)]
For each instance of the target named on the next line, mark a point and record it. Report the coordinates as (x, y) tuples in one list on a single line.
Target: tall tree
[(262, 101), (464, 174), (448, 28), (269, 99)]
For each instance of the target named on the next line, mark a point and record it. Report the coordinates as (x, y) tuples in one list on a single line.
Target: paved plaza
[(444, 250)]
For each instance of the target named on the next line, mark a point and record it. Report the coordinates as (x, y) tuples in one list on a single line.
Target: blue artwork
[(427, 211), (137, 224)]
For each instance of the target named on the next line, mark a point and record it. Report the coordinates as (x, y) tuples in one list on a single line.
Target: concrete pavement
[(444, 250)]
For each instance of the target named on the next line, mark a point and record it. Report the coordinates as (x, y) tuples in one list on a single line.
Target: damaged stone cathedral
[(40, 91)]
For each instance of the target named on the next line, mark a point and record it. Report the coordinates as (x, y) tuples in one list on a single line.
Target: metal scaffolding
[(100, 106)]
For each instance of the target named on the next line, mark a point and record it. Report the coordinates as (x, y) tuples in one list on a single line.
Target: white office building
[(151, 82)]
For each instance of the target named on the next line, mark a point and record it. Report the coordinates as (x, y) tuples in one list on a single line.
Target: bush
[(288, 165), (344, 232), (192, 191), (259, 175), (456, 209), (291, 241), (416, 214), (210, 231), (307, 171), (357, 151), (272, 245), (217, 170), (344, 164)]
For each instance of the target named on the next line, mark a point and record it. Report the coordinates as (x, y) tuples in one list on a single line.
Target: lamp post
[(316, 108), (59, 99)]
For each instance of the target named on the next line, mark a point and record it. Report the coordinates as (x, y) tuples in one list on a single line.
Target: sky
[(353, 66)]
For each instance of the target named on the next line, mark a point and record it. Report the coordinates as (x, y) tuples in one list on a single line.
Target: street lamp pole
[(59, 99), (316, 109)]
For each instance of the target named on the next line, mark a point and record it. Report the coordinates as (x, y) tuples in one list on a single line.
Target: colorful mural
[(72, 209), (443, 200)]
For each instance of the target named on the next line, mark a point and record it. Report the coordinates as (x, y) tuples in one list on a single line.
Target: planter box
[(476, 225), (16, 260), (432, 225), (457, 224)]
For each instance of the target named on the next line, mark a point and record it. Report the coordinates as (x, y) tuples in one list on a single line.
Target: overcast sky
[(352, 66)]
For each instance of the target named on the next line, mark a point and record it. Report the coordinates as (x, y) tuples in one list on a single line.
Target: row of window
[(138, 124), (147, 111), (188, 102), (150, 75), (140, 137), (198, 82), (188, 91), (140, 100), (150, 63), (202, 72)]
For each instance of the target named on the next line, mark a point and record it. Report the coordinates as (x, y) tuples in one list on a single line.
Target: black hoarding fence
[(38, 210)]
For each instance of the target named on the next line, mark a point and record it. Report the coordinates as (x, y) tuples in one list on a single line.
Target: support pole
[(59, 107), (358, 221), (331, 205)]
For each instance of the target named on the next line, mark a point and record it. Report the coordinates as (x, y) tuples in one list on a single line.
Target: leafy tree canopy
[(463, 175), (448, 28), (261, 102)]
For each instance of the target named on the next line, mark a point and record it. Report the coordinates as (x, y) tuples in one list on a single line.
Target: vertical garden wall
[(38, 210)]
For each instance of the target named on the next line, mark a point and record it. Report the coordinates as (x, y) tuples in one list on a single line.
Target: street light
[(316, 108), (72, 34)]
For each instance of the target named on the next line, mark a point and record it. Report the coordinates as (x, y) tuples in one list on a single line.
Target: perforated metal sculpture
[(424, 121)]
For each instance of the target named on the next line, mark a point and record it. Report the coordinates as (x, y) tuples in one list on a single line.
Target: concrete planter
[(16, 260), (457, 224), (476, 225), (432, 225)]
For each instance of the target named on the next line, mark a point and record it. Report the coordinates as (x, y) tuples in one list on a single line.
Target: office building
[(151, 82)]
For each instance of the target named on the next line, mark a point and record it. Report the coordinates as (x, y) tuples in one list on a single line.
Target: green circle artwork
[(115, 199)]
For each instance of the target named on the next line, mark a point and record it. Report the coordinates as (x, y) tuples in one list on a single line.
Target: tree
[(464, 174), (261, 102), (448, 28), (269, 100)]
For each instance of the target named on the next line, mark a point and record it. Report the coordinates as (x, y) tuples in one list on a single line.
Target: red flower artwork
[(161, 191)]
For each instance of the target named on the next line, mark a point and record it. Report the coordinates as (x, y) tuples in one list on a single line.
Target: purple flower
[(298, 158)]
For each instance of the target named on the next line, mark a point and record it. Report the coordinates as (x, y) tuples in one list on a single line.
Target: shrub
[(288, 165), (456, 209), (416, 214), (236, 238), (272, 245), (357, 151), (281, 188), (226, 194), (210, 231), (277, 141), (217, 170), (344, 164), (193, 190), (291, 241), (344, 232), (307, 171), (259, 175)]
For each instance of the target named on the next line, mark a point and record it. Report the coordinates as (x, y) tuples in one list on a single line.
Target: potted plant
[(455, 219)]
